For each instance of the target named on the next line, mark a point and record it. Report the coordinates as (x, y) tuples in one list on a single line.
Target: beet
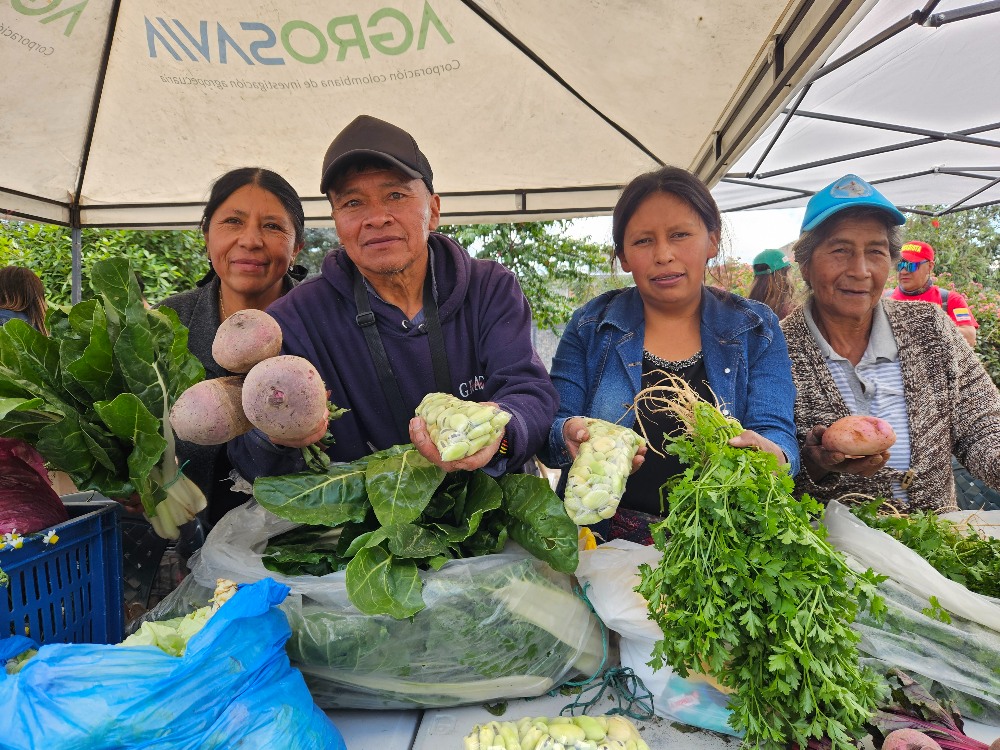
[(27, 501)]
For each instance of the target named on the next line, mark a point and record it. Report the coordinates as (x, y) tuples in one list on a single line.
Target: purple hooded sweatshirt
[(486, 325)]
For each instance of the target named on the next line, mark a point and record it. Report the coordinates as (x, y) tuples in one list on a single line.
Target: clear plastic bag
[(494, 627), (610, 575), (233, 687), (959, 660)]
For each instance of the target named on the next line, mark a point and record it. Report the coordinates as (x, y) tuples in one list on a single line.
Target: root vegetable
[(995, 745), (460, 428), (285, 397), (245, 338), (858, 436), (210, 412), (909, 739), (596, 480)]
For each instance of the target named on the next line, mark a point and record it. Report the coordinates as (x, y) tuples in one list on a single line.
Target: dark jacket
[(486, 325), (198, 309)]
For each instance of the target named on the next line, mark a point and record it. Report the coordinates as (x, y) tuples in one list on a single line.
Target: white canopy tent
[(121, 114), (910, 101)]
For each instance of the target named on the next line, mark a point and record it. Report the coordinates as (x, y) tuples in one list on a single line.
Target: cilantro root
[(749, 592)]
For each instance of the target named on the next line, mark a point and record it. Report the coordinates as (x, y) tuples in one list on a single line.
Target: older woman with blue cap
[(854, 352)]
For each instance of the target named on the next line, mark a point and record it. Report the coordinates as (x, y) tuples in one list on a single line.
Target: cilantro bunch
[(750, 592)]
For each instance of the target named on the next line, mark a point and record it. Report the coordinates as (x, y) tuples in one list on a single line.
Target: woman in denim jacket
[(666, 226)]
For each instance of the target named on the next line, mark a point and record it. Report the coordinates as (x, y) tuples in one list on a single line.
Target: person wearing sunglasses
[(854, 352), (916, 284)]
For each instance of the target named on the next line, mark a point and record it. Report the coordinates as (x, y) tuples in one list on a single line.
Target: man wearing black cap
[(401, 311)]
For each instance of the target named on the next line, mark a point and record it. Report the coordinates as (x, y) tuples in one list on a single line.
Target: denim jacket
[(598, 366)]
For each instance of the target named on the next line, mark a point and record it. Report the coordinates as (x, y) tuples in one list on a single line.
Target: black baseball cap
[(368, 137)]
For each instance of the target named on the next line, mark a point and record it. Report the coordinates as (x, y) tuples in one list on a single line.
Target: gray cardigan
[(198, 309), (952, 407)]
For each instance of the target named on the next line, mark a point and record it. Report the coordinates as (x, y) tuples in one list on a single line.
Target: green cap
[(769, 261)]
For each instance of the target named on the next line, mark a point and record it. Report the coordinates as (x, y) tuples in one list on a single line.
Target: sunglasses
[(909, 265)]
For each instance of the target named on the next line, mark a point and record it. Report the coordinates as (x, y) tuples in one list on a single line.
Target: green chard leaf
[(379, 583), (401, 486), (329, 499), (539, 522), (127, 418)]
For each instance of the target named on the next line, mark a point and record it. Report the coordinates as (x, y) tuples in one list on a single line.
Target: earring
[(290, 267)]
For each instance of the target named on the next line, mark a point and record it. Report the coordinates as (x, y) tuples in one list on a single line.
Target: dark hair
[(671, 180), (270, 181), (774, 290), (808, 241), (22, 291)]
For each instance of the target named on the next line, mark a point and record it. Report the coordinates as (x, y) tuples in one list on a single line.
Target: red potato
[(245, 338), (285, 398), (210, 412), (909, 739), (858, 436)]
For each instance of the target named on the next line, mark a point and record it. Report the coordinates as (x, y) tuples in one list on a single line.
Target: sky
[(748, 232)]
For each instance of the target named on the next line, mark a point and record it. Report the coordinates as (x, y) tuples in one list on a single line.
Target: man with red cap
[(915, 283)]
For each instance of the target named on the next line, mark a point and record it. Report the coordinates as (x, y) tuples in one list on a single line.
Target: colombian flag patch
[(962, 314)]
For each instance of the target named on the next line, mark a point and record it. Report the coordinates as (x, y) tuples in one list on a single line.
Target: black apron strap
[(439, 356), (366, 321), (387, 378)]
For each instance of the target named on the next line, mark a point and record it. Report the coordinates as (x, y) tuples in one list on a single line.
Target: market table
[(443, 729)]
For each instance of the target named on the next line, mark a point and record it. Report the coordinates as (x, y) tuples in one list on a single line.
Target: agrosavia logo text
[(388, 31)]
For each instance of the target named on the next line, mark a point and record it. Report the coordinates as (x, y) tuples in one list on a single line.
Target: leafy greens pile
[(394, 513), (964, 557), (94, 396), (748, 591), (494, 628)]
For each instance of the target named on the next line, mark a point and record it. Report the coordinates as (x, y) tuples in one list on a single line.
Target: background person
[(253, 226), (22, 296), (916, 283), (854, 352), (444, 321), (772, 283), (666, 226)]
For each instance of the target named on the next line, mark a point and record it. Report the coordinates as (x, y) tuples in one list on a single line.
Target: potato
[(284, 397), (995, 745), (210, 412), (909, 739), (859, 436), (245, 338)]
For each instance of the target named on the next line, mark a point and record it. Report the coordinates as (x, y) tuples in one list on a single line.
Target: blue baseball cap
[(847, 192)]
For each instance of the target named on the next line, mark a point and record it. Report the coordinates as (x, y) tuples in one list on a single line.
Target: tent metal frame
[(923, 17)]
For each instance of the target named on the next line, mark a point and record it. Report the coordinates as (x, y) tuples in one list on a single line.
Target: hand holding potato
[(820, 460)]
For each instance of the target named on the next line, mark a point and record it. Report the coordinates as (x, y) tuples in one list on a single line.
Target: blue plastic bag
[(234, 687)]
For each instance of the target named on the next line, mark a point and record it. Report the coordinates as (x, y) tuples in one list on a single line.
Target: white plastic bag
[(610, 575), (882, 553)]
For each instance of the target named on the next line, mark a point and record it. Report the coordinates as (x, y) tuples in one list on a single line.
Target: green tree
[(556, 271), (318, 242), (168, 261), (966, 244)]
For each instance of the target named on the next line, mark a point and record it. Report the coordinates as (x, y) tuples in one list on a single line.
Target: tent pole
[(76, 236)]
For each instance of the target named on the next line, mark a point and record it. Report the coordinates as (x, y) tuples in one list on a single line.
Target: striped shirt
[(874, 387)]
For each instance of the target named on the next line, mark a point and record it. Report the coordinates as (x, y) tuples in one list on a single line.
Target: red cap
[(917, 251)]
